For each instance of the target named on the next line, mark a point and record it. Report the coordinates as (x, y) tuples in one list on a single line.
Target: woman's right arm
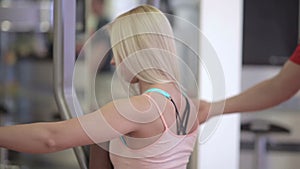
[(43, 137), (99, 126)]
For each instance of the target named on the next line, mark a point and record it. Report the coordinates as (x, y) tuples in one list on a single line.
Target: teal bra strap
[(164, 93), (123, 140)]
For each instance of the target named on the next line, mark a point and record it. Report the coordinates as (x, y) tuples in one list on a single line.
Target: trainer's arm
[(268, 93), (265, 94)]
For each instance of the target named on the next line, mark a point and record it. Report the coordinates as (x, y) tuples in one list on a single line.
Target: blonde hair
[(143, 40)]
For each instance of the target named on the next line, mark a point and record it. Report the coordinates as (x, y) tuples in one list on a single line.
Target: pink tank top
[(169, 151)]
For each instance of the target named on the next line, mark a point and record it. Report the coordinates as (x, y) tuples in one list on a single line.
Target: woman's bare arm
[(43, 137), (100, 126)]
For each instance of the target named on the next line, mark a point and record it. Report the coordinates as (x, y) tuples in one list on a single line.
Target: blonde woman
[(155, 128)]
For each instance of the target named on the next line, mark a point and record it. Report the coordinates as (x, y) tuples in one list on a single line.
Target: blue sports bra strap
[(123, 140), (164, 93)]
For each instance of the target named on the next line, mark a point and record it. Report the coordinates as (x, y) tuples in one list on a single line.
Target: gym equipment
[(262, 129), (64, 60)]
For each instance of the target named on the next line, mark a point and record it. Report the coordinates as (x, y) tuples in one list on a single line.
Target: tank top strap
[(181, 120), (160, 112)]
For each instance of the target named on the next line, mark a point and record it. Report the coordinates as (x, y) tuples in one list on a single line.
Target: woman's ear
[(134, 80), (112, 61)]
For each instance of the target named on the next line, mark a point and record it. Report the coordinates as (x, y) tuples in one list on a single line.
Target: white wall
[(221, 24)]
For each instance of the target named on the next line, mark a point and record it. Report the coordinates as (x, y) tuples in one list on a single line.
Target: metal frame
[(64, 61)]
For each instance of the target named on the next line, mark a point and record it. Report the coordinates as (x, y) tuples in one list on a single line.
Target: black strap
[(181, 123)]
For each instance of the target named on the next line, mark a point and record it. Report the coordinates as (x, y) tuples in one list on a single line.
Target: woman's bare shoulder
[(140, 102), (136, 108)]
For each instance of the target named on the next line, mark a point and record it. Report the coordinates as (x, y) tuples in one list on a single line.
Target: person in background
[(98, 10), (263, 95), (100, 40)]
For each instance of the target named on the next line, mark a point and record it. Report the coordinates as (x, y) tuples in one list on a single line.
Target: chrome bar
[(260, 151), (64, 61)]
